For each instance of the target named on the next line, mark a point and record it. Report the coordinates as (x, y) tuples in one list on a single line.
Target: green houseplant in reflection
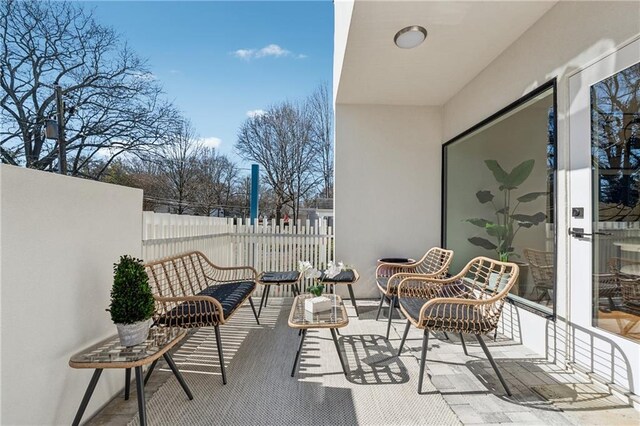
[(508, 221)]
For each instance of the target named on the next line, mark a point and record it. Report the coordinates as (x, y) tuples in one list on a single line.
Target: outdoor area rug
[(381, 388)]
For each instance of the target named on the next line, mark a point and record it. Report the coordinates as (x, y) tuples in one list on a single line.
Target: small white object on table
[(317, 304)]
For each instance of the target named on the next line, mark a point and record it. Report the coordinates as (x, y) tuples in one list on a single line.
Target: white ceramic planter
[(133, 334)]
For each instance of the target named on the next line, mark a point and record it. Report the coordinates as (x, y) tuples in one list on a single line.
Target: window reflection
[(615, 142), (499, 196)]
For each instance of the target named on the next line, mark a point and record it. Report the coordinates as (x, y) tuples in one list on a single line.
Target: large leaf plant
[(508, 221)]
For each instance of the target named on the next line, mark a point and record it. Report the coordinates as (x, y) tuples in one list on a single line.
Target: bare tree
[(179, 163), (113, 103), (322, 135), (280, 142), (143, 174), (216, 180)]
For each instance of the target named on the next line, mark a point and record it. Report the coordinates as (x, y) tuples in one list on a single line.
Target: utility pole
[(62, 155)]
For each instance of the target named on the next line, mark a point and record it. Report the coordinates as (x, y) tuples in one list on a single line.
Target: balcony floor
[(381, 388)]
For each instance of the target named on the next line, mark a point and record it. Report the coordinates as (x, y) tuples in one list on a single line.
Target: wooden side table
[(334, 318), (110, 354)]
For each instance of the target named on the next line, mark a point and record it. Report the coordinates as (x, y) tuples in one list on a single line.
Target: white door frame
[(607, 354)]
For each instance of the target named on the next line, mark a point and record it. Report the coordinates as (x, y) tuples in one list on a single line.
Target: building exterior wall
[(343, 11), (566, 39), (387, 201), (59, 238)]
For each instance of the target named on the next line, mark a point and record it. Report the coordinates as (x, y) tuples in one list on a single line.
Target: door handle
[(579, 233)]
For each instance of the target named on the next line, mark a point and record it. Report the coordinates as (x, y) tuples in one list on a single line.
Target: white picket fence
[(267, 246)]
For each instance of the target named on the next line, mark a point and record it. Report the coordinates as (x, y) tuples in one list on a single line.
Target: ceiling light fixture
[(410, 37)]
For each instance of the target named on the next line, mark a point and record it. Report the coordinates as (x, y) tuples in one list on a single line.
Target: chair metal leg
[(382, 297), (297, 358), (493, 364), (220, 354), (266, 299), (353, 299), (176, 373), (392, 305), (404, 336), (149, 371), (87, 396), (423, 358), (446, 336), (335, 342), (253, 308), (464, 346), (264, 294), (127, 383), (142, 408)]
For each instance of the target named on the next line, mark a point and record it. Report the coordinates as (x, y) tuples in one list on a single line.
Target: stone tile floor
[(543, 393)]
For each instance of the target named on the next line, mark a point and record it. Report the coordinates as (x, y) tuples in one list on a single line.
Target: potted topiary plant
[(132, 303)]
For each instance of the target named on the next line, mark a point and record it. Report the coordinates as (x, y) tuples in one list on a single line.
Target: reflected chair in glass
[(435, 264), (608, 287), (627, 272), (630, 290), (542, 268), (471, 302)]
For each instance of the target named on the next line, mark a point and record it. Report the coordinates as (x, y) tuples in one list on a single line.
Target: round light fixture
[(410, 37)]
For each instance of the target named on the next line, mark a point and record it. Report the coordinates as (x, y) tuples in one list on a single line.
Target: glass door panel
[(615, 153)]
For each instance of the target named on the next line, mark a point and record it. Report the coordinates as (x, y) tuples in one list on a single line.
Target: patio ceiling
[(463, 38)]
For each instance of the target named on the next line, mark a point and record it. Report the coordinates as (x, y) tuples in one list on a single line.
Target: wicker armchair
[(470, 302), (434, 264), (542, 268), (190, 292)]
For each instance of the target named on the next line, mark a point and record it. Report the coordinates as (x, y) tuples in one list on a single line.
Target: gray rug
[(380, 388)]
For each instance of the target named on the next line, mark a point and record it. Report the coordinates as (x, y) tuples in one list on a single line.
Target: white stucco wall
[(568, 38), (387, 196), (343, 9), (59, 239)]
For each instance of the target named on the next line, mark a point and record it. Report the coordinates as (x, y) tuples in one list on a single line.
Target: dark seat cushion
[(347, 276), (383, 282), (398, 260), (230, 296), (447, 317), (280, 277)]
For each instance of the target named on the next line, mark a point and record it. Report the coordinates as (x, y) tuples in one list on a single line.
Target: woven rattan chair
[(470, 302), (541, 264), (190, 292), (434, 264)]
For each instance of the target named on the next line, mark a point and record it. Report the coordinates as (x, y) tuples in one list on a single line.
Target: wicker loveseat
[(190, 291)]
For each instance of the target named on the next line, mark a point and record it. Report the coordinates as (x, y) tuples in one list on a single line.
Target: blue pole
[(255, 177)]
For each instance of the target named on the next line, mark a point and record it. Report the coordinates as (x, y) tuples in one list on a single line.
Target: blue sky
[(219, 60)]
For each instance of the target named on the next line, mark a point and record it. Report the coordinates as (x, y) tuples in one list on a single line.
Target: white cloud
[(211, 142), (270, 50), (256, 113), (244, 53), (175, 72)]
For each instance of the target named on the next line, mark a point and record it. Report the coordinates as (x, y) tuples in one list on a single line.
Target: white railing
[(267, 246)]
